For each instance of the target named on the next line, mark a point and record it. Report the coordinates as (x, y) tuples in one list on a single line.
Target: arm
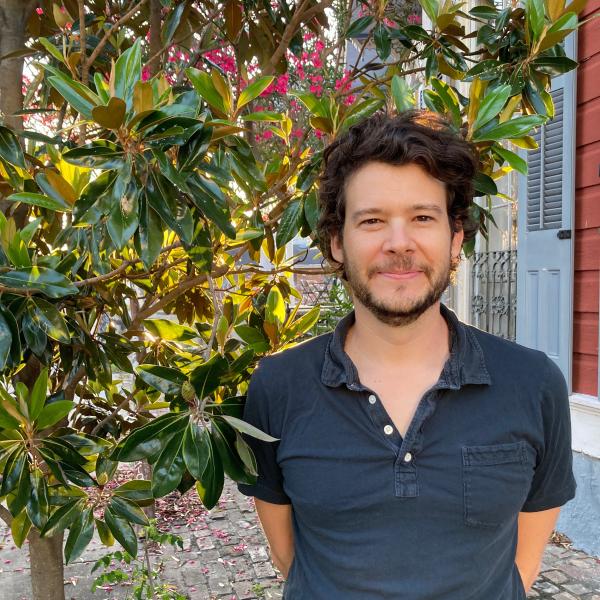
[(276, 521), (534, 530)]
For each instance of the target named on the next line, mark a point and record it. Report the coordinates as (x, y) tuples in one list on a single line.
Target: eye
[(424, 218), (372, 221)]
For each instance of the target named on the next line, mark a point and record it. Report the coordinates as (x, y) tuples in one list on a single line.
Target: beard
[(398, 311)]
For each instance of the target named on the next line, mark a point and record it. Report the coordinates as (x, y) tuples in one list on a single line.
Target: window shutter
[(545, 174)]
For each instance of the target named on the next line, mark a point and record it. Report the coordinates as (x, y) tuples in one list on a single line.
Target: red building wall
[(587, 208)]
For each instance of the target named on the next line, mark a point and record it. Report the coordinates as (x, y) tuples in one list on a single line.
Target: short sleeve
[(269, 485), (553, 482)]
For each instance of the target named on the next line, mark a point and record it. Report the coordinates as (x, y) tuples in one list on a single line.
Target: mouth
[(400, 275)]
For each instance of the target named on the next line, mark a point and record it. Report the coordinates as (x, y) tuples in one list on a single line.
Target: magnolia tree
[(151, 153)]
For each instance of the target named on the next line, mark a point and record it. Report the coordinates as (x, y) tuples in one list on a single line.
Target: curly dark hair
[(415, 136)]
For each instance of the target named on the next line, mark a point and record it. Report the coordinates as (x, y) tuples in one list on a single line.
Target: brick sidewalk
[(225, 557)]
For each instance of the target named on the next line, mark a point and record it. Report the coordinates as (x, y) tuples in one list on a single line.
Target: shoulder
[(294, 363), (508, 359)]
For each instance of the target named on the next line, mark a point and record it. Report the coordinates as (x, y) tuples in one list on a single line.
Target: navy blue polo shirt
[(433, 515)]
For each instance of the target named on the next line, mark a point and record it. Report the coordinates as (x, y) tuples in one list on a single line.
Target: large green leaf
[(275, 306), (39, 200), (289, 223), (164, 329), (145, 442), (253, 90), (10, 149), (20, 527), (136, 490), (209, 199), (196, 449), (149, 237), (514, 160), (128, 510), (128, 71), (554, 65), (206, 378), (37, 504), (5, 342), (403, 96), (123, 220), (163, 379), (122, 531), (248, 429), (210, 484), (80, 535), (358, 26), (431, 7), (169, 468), (204, 85), (53, 413), (13, 467), (491, 105), (224, 438), (50, 320), (49, 282), (510, 129), (62, 517), (37, 397)]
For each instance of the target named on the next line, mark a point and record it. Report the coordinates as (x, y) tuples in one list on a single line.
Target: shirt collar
[(465, 365)]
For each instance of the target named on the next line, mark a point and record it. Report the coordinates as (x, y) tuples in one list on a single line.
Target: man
[(418, 458)]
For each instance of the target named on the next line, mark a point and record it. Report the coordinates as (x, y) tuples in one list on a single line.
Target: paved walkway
[(225, 558)]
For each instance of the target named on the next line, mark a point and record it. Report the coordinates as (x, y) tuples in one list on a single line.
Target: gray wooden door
[(545, 225)]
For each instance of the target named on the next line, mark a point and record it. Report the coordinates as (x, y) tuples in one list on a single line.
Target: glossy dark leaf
[(196, 449), (37, 504), (149, 236), (49, 282), (62, 517), (248, 429), (206, 378), (50, 320), (128, 510), (224, 438), (10, 149), (122, 531), (289, 223), (123, 220), (210, 484), (164, 379), (80, 535), (168, 469), (5, 343), (358, 26), (13, 468), (53, 413), (209, 199), (137, 490), (20, 527), (147, 441)]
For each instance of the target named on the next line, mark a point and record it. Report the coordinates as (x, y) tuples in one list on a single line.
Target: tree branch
[(94, 55), (5, 515), (300, 15)]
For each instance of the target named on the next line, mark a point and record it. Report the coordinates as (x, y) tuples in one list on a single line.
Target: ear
[(337, 249), (457, 242)]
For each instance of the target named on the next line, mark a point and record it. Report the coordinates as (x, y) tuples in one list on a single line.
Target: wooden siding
[(587, 208)]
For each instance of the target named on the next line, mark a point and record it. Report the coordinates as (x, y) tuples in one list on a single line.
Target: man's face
[(397, 242)]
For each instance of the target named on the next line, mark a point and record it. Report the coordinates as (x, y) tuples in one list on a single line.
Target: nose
[(398, 239)]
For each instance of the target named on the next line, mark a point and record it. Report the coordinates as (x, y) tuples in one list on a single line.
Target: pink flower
[(267, 135), (39, 10), (319, 46), (298, 133), (319, 133), (350, 100), (145, 73), (259, 108), (317, 63), (308, 36), (414, 19), (301, 73)]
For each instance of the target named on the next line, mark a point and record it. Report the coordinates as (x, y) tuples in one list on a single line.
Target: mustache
[(400, 263)]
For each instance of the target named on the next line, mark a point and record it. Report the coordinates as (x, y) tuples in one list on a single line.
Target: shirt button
[(372, 399), (388, 429), (407, 457)]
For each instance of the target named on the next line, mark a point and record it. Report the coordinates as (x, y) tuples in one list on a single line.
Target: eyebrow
[(415, 207)]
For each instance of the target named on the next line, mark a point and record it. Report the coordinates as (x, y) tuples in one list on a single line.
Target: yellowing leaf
[(143, 97)]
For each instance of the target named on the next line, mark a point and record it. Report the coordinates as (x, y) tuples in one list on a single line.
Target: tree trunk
[(47, 570), (14, 15)]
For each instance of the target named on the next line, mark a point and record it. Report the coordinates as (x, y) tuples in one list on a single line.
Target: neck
[(420, 342)]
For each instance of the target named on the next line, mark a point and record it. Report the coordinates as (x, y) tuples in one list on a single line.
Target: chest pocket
[(496, 482)]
